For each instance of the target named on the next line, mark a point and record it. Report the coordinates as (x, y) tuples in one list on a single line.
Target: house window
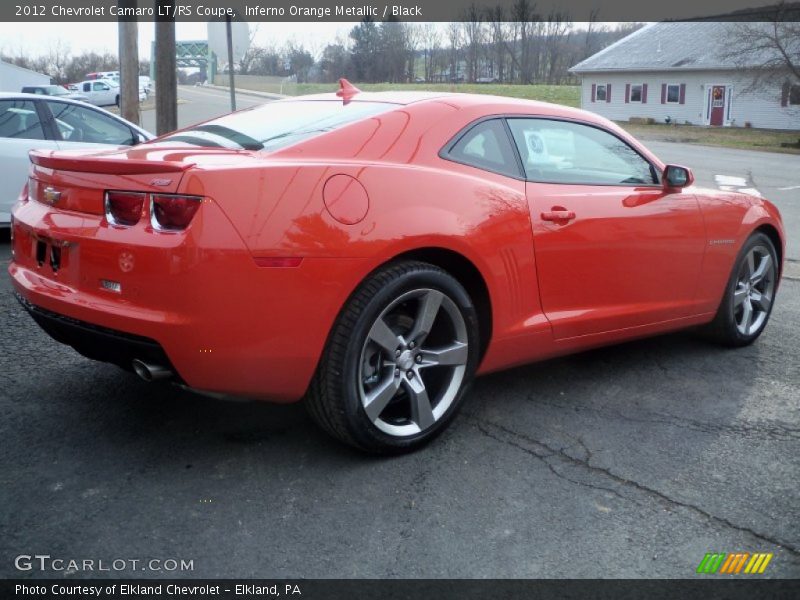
[(636, 92), (794, 94), (601, 93), (673, 93)]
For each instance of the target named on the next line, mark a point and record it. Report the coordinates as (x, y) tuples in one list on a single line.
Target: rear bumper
[(95, 342), (195, 302)]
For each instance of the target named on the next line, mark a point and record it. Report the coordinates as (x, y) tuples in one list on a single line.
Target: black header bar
[(402, 10)]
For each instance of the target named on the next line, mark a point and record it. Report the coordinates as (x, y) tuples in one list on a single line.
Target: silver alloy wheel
[(413, 362), (754, 292)]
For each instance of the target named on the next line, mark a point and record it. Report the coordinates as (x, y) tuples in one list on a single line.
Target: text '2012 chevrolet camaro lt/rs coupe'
[(370, 253)]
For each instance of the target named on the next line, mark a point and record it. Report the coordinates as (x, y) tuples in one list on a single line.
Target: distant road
[(199, 104), (773, 176)]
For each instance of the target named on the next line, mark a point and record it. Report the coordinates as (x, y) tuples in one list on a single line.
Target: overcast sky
[(36, 38)]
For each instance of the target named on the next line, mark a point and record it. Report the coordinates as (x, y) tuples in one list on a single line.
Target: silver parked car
[(52, 90), (31, 121)]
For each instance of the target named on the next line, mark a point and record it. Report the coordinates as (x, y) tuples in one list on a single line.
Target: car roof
[(493, 104), (391, 97), (98, 80)]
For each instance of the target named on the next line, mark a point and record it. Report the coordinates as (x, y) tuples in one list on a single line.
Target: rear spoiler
[(110, 166)]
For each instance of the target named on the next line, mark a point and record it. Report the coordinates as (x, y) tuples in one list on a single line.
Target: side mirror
[(677, 177)]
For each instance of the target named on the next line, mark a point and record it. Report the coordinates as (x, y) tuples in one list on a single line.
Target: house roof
[(7, 65), (668, 46)]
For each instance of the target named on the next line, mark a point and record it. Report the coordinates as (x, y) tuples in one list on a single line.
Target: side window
[(572, 153), (87, 87), (99, 86), (673, 93), (19, 119), (486, 146), (80, 124)]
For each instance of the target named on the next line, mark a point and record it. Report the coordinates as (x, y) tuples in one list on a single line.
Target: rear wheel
[(749, 294), (398, 360)]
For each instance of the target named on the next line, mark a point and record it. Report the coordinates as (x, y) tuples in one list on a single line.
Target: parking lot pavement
[(767, 174), (629, 461)]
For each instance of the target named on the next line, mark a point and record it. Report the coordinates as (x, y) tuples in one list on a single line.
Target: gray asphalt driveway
[(630, 461)]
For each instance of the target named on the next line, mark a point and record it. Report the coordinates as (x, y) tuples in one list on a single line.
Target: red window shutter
[(594, 91), (683, 93), (627, 93), (785, 90), (663, 93), (644, 93), (608, 92)]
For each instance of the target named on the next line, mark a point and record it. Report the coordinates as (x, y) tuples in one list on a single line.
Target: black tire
[(340, 388), (116, 101), (728, 327)]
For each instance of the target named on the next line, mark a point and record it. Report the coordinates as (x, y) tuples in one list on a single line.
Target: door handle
[(558, 214)]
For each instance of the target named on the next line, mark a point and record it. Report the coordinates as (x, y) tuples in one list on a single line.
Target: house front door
[(717, 104)]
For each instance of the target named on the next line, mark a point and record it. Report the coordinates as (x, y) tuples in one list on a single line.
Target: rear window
[(278, 124)]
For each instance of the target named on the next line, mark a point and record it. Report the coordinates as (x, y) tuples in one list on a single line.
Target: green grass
[(767, 140), (568, 95)]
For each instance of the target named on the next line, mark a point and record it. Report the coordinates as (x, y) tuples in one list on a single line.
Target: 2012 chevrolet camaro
[(370, 253)]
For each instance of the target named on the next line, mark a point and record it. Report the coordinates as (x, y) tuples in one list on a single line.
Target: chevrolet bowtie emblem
[(51, 195)]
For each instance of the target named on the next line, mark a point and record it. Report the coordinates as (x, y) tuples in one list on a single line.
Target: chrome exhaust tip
[(150, 372)]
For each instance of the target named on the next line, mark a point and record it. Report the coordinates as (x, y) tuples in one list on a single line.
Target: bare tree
[(556, 34), (454, 36), (252, 55), (413, 34), (769, 52), (587, 45), (498, 33), (473, 34), (58, 57), (431, 40), (523, 13)]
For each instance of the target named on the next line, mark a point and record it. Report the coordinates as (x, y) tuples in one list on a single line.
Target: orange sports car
[(371, 252)]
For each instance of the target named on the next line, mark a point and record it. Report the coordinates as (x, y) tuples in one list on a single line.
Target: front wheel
[(398, 360), (749, 294)]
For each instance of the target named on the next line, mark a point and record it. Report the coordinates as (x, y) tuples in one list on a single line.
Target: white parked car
[(100, 92), (30, 121), (104, 92)]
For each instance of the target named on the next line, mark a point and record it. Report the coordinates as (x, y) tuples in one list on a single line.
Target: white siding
[(762, 110), (13, 78)]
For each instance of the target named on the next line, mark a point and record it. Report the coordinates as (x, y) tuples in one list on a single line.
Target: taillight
[(172, 212), (124, 208)]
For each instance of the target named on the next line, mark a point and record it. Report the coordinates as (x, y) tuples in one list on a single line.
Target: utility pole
[(128, 65), (166, 79), (230, 61)]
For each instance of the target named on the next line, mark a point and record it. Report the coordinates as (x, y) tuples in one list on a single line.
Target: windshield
[(277, 124), (56, 90)]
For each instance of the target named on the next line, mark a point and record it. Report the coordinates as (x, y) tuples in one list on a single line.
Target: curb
[(244, 91)]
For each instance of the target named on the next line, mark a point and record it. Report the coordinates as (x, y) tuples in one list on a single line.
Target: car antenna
[(346, 90)]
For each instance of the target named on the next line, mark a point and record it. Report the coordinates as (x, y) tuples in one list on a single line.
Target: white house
[(680, 72), (13, 78)]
